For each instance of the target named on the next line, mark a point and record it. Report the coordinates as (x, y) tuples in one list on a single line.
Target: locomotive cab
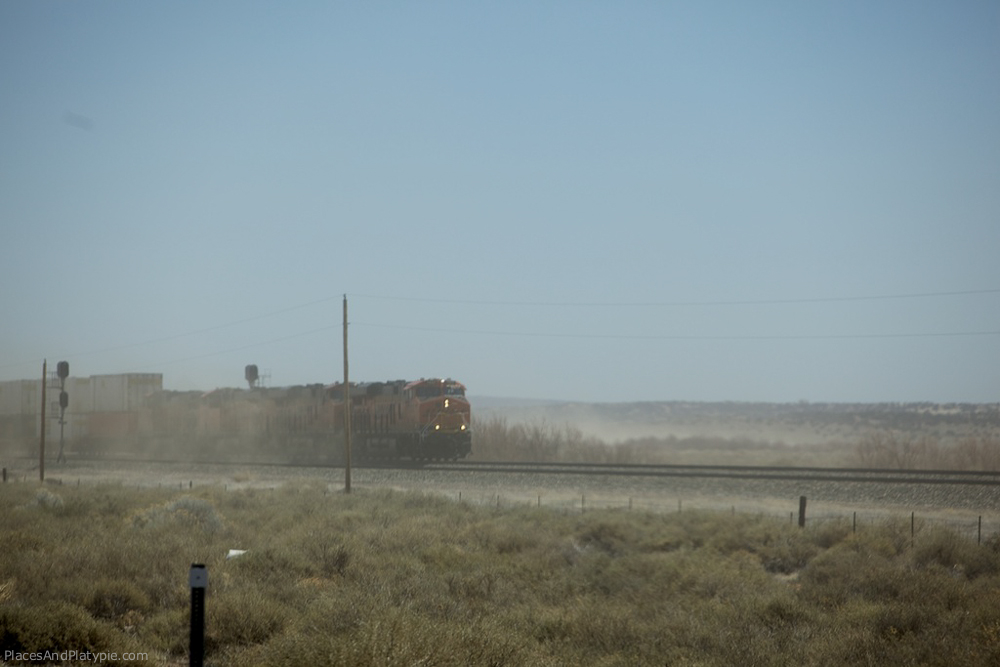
[(425, 419), (444, 418)]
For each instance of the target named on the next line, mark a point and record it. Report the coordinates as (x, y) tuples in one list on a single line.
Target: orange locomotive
[(420, 420)]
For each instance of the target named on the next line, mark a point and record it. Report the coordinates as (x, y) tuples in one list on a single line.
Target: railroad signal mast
[(62, 371)]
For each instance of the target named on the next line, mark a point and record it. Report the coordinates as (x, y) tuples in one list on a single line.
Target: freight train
[(426, 419)]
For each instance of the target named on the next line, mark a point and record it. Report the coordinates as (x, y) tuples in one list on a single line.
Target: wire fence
[(970, 524)]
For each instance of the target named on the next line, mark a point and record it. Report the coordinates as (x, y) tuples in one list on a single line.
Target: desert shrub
[(984, 560), (840, 573), (113, 599), (734, 534), (497, 536), (58, 627), (241, 617), (398, 637), (272, 568), (787, 555), (331, 615), (940, 546), (785, 549), (499, 440), (186, 511), (109, 501), (605, 536), (167, 631), (332, 558), (380, 578), (976, 453), (48, 500), (826, 534), (894, 449), (893, 537)]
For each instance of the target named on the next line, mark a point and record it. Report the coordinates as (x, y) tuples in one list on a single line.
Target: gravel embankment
[(777, 497)]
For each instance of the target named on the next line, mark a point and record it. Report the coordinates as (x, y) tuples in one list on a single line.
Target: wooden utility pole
[(347, 411), (41, 448)]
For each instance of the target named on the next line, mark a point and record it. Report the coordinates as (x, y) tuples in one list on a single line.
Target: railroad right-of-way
[(801, 474)]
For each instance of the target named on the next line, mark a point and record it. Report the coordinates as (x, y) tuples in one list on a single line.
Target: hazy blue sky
[(570, 200)]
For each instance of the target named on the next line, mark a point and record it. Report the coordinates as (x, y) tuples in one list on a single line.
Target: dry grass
[(894, 449), (497, 439), (381, 578)]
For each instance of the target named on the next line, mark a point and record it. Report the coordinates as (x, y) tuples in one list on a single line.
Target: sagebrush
[(390, 578)]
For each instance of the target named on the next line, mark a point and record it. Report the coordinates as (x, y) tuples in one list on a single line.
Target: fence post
[(802, 511), (913, 525), (198, 581), (979, 531)]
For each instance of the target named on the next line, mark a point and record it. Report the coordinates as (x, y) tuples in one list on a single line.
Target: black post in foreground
[(802, 511), (198, 581)]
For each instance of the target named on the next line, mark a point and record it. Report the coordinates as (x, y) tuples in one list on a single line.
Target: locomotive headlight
[(446, 402), (437, 427), (463, 427)]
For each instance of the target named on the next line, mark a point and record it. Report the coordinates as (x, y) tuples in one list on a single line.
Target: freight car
[(427, 419)]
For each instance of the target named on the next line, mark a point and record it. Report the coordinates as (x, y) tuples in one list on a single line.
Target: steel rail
[(770, 473), (686, 466), (804, 474)]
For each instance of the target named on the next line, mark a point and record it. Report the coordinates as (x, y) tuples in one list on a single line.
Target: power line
[(579, 304), (219, 353), (526, 334), (648, 304), (185, 334)]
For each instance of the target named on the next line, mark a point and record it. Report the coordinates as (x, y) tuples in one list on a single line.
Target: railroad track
[(879, 476), (785, 473)]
